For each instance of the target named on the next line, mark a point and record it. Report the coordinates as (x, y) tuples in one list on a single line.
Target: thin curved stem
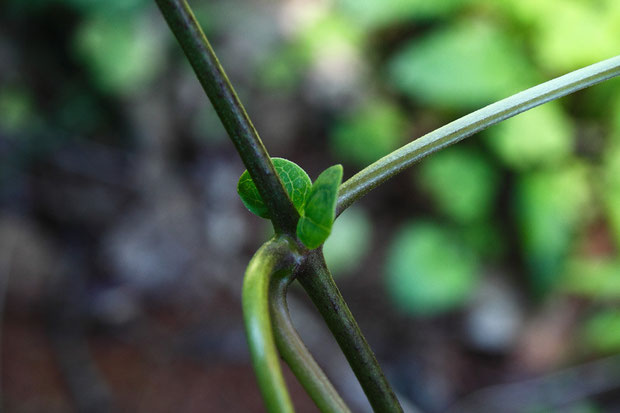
[(231, 112), (276, 256), (316, 279), (295, 353), (394, 163)]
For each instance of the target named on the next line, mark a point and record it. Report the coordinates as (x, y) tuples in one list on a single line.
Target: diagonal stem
[(295, 353), (316, 279), (231, 112), (388, 166)]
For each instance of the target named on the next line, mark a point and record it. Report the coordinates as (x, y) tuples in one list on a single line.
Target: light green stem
[(275, 257), (295, 353), (394, 163)]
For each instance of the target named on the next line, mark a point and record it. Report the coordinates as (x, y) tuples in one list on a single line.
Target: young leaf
[(296, 182), (319, 212)]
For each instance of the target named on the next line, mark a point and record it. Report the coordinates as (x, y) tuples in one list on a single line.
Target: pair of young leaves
[(316, 203)]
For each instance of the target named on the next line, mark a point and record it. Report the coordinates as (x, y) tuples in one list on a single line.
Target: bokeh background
[(486, 278)]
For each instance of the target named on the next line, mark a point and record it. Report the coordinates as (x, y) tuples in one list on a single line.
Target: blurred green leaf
[(282, 70), (296, 182), (611, 174), (585, 407), (84, 6), (374, 13), (616, 118), (528, 12), (370, 132), (602, 331), (330, 31), (550, 207), (486, 238), (319, 211), (349, 241), (462, 183), (573, 34), (106, 6), (326, 35), (16, 109), (122, 54), (463, 66), (567, 34), (593, 277), (429, 269), (579, 407), (611, 191), (541, 136)]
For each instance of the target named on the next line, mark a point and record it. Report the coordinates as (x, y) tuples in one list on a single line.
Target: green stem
[(275, 257), (231, 112), (295, 353), (394, 163), (316, 279)]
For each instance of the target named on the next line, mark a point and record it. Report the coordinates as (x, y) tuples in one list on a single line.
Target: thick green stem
[(231, 112), (275, 257), (394, 163), (316, 279), (295, 353)]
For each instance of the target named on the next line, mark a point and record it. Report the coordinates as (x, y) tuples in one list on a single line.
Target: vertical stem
[(295, 353), (316, 279), (231, 112), (274, 257)]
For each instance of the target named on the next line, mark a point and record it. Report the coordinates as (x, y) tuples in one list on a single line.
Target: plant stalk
[(394, 163), (231, 112), (275, 257), (316, 279), (294, 352)]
